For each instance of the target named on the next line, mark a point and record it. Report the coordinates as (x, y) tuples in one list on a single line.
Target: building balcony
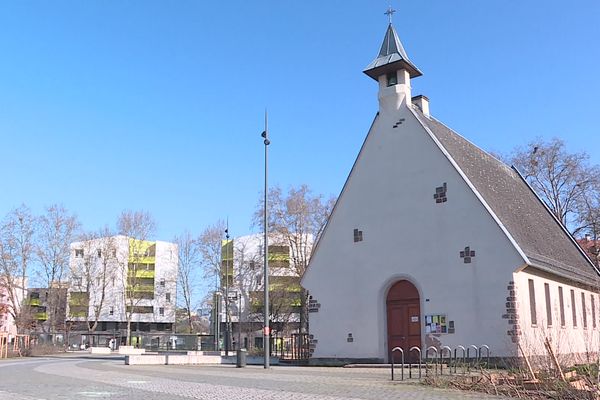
[(33, 302), (145, 274), (41, 316), (140, 288), (78, 314)]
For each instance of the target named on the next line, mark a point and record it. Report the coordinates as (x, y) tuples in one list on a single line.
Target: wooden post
[(527, 362), (554, 359)]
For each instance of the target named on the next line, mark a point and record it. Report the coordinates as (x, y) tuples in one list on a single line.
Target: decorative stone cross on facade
[(467, 254), (440, 194), (390, 11)]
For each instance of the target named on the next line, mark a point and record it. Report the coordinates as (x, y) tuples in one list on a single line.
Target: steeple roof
[(392, 57)]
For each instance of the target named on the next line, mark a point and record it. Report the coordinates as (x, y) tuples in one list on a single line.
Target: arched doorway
[(403, 319)]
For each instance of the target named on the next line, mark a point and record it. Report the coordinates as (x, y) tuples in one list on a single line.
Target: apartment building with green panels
[(242, 276), (113, 278)]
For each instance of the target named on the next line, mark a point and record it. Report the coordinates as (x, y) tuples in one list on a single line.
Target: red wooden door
[(403, 320)]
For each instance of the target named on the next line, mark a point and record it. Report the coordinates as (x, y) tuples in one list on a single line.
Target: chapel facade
[(434, 242)]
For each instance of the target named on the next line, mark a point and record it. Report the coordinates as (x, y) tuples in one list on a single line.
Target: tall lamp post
[(266, 328), (227, 317)]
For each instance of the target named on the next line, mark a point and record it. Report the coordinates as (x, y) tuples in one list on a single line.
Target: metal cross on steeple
[(390, 12)]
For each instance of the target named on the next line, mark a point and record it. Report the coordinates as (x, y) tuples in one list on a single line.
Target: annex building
[(434, 242)]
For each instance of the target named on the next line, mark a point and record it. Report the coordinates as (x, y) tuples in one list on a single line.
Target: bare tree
[(297, 219), (589, 220), (57, 228), (92, 276), (209, 246), (138, 226), (16, 253), (560, 178), (189, 263)]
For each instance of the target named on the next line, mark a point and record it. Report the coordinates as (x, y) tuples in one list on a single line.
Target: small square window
[(168, 297), (79, 253), (161, 311), (162, 282)]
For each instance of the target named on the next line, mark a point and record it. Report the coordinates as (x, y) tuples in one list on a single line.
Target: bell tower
[(393, 70)]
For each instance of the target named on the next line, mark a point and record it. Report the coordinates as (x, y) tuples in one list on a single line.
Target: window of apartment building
[(573, 308), (162, 282), (593, 311), (168, 297), (258, 279), (78, 253), (583, 310), (161, 311), (532, 309), (99, 252), (548, 304), (561, 304), (111, 310), (77, 281)]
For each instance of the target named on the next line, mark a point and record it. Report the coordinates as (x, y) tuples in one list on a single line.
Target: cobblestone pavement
[(83, 378)]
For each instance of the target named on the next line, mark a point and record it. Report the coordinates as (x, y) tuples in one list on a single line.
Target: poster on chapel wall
[(436, 323)]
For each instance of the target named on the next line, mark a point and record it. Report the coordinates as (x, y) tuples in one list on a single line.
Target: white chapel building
[(434, 242)]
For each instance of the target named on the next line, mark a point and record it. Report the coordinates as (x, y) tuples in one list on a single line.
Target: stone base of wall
[(340, 362), (130, 350), (100, 350), (191, 359)]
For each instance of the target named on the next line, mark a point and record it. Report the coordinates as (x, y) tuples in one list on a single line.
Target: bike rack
[(431, 348), (442, 359), (487, 354), (416, 348), (464, 353), (392, 360), (469, 357)]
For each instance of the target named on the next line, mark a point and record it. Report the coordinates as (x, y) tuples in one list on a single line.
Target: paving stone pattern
[(77, 378)]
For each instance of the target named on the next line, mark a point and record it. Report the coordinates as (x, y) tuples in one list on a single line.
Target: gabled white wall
[(389, 197)]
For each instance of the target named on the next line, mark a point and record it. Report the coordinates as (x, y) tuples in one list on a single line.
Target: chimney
[(423, 103)]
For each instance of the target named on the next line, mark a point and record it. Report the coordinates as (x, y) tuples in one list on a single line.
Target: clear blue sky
[(158, 105)]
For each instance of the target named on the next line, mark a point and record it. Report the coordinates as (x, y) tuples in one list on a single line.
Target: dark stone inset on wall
[(467, 254), (440, 194), (358, 236), (400, 121), (512, 315)]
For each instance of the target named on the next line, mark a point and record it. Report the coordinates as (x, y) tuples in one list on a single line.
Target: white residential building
[(113, 278), (243, 262)]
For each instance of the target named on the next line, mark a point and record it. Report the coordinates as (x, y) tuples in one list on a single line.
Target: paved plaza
[(108, 378)]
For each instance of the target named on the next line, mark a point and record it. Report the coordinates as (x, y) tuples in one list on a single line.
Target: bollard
[(241, 358)]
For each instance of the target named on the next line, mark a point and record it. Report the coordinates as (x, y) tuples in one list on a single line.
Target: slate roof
[(535, 230), (391, 57)]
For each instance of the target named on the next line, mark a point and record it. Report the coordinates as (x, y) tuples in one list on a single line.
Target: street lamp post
[(266, 328), (227, 321)]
